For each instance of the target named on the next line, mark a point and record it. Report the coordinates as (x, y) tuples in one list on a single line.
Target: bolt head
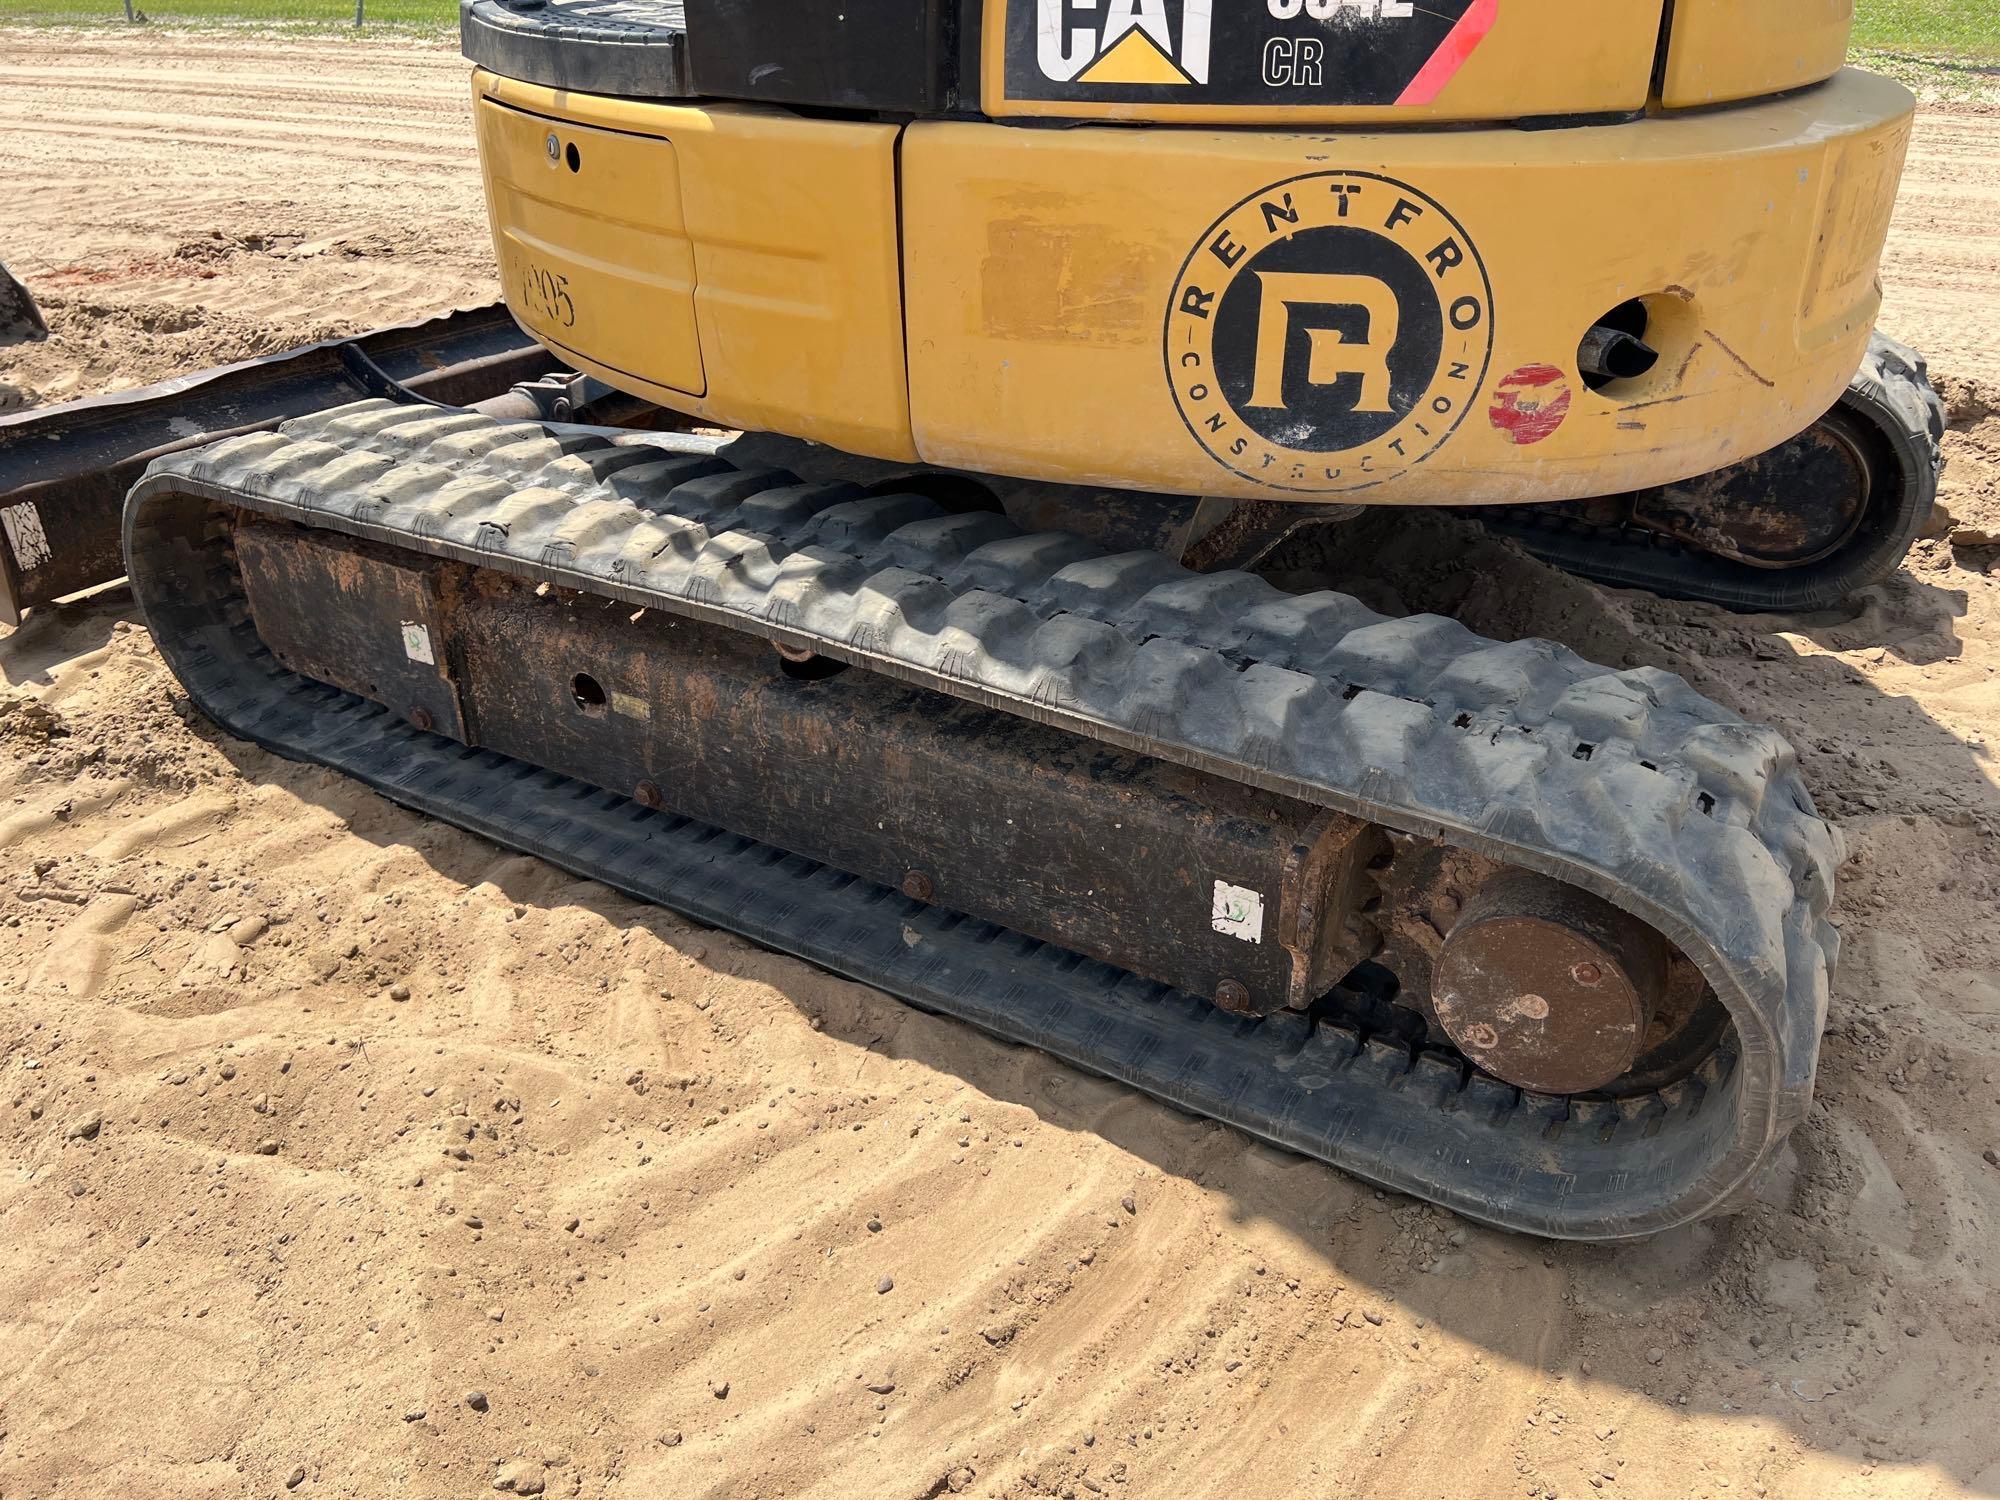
[(421, 717), (917, 885), (646, 794), (1586, 973), (1233, 996)]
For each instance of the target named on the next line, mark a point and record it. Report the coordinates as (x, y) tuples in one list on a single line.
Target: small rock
[(1372, 1316), (882, 1387), (875, 1225), (521, 1476), (1911, 1330), (399, 992), (1604, 1433), (1233, 1366), (497, 1314), (718, 1389), (670, 1439), (1991, 1156), (886, 1284), (1655, 1354), (473, 1221), (1129, 1204), (84, 1127), (246, 932), (296, 1478), (267, 1147), (476, 1400), (226, 1072), (415, 1414)]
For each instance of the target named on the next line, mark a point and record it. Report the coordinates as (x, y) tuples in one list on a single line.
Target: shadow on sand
[(1813, 1311)]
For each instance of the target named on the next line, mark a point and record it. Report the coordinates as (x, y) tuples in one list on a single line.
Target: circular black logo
[(1329, 332)]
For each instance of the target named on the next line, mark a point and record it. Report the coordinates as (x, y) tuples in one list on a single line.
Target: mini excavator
[(1012, 339)]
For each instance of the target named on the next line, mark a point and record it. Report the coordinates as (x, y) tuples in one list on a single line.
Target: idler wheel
[(1547, 986)]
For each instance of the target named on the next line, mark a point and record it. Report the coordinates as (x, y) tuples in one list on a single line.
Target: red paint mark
[(1451, 53), (1530, 404)]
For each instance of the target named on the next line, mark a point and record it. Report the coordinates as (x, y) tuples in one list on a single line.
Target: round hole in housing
[(587, 691), (1640, 349), (1615, 348), (573, 157)]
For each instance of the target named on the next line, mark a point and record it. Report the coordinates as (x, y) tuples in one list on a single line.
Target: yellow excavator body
[(1383, 316)]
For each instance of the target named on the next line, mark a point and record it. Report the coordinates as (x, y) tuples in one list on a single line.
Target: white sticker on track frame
[(417, 643), (1238, 912), (25, 536)]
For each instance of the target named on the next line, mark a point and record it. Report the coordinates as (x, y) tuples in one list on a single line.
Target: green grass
[(1945, 50), (424, 14), (1956, 29)]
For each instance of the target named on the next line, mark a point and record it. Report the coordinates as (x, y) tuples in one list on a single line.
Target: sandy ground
[(318, 1118)]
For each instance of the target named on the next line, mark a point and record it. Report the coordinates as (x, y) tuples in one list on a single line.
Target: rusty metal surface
[(1111, 854), (1787, 508), (1547, 986), (1419, 890), (64, 470), (1321, 922), (357, 616)]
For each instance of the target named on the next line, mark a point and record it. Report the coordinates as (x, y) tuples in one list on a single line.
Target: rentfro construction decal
[(1328, 332), (1243, 52)]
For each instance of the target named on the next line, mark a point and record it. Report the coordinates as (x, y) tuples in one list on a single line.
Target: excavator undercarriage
[(937, 654), (1330, 876)]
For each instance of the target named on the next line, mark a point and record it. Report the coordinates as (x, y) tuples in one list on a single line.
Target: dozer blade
[(65, 470), (1164, 826), (20, 320)]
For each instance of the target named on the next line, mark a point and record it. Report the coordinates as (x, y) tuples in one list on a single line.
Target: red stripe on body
[(1451, 53)]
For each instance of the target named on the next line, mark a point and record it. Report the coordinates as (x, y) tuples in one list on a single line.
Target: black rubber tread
[(1892, 393), (1626, 782), (633, 48), (881, 57)]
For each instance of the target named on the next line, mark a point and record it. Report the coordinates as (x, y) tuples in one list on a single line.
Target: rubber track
[(1892, 392), (1626, 782)]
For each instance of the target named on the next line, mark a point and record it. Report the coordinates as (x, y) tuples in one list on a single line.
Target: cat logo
[(1266, 54), (1134, 45), (1329, 332)]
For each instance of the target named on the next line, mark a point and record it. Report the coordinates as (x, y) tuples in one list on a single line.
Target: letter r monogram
[(1331, 356)]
